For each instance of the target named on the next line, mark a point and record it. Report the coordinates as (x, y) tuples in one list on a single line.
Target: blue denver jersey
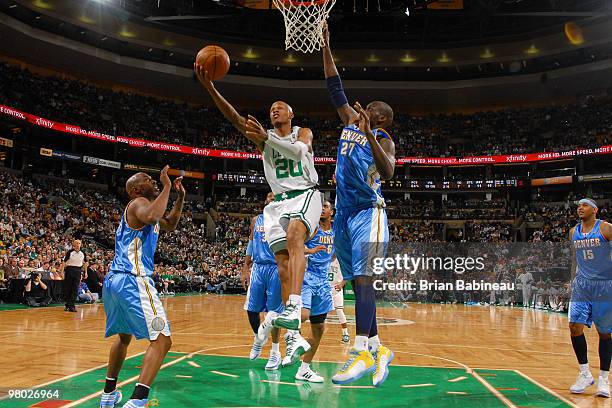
[(318, 264), (262, 254), (134, 248), (593, 260), (357, 180)]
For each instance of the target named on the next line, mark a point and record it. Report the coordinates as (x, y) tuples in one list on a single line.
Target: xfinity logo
[(44, 122)]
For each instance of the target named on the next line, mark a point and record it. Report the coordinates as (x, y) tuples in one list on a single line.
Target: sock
[(341, 316), (361, 343), (605, 353), (276, 347), (305, 366), (141, 391), (373, 344), (580, 348), (604, 374), (295, 299), (345, 331), (110, 385), (254, 320), (365, 307), (584, 368)]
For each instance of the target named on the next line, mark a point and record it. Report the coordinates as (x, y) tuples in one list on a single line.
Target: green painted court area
[(220, 381)]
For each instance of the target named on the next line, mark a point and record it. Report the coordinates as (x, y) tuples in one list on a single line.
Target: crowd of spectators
[(39, 218), (508, 131)]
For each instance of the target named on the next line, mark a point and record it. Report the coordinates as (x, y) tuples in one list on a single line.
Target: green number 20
[(286, 168)]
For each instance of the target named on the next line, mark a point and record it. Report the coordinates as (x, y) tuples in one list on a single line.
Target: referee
[(73, 267)]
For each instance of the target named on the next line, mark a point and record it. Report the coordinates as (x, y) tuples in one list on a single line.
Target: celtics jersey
[(285, 174), (334, 275)]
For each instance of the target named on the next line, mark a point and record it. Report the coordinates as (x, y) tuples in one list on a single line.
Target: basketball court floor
[(446, 356)]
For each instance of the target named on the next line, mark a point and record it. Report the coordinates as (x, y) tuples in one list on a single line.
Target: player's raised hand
[(255, 131), (202, 75), (163, 177), (364, 119), (325, 34), (178, 186)]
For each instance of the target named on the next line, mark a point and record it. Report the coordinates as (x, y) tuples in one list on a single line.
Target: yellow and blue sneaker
[(383, 357), (111, 399), (358, 364)]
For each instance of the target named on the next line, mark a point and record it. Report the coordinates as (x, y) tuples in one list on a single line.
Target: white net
[(304, 23)]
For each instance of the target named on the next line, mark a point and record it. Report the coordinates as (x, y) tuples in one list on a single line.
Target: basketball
[(215, 60)]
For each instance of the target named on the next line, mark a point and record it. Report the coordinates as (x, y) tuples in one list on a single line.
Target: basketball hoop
[(304, 23)]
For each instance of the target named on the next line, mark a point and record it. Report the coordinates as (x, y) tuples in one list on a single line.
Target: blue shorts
[(591, 302), (132, 306), (359, 237), (264, 293), (317, 297)]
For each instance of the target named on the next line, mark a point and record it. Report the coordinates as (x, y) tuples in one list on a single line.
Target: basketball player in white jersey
[(292, 218), (337, 283)]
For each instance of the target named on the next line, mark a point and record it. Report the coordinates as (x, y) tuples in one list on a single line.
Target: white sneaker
[(296, 346), (307, 374), (603, 387), (274, 361), (291, 318), (265, 328), (256, 348), (583, 381)]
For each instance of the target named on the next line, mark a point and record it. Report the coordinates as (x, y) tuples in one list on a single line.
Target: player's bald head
[(385, 113), (139, 185), (285, 104)]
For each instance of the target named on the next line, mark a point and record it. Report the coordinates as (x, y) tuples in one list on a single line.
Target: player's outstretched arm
[(171, 220), (222, 104), (147, 212), (334, 83), (383, 150)]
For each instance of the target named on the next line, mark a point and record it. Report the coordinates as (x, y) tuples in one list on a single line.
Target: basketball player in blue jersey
[(131, 303), (591, 300), (264, 293), (316, 295), (366, 154)]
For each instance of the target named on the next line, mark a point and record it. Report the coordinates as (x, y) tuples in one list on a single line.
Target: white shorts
[(338, 298), (306, 207)]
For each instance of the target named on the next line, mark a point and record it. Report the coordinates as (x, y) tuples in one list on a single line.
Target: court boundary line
[(550, 391), (202, 352)]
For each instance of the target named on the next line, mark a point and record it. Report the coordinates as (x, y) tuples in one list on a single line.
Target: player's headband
[(588, 202)]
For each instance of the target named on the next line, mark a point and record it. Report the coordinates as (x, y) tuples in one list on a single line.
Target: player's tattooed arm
[(171, 220), (606, 230), (147, 212), (347, 114), (383, 150)]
